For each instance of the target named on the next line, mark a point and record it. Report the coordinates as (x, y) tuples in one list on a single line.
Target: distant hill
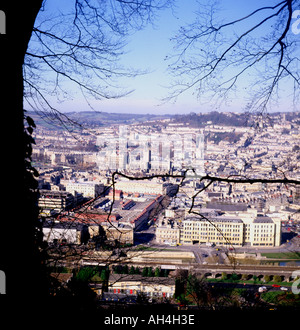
[(196, 120), (92, 118), (105, 117)]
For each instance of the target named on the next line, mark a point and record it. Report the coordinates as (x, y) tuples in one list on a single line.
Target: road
[(250, 269), (253, 287)]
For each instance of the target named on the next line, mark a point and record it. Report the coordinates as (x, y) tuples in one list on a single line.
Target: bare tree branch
[(214, 61), (80, 51)]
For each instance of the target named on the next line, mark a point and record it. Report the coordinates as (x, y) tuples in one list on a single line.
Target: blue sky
[(147, 49)]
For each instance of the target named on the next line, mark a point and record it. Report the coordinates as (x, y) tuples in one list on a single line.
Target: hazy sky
[(147, 49)]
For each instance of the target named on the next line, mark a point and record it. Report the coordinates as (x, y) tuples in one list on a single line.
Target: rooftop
[(117, 278), (263, 220), (215, 219), (227, 207)]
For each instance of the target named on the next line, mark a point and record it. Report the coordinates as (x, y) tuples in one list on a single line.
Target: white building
[(69, 234), (87, 189), (145, 187)]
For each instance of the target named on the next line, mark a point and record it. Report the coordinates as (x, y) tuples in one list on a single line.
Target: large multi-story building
[(146, 187), (55, 201), (265, 231), (87, 189), (221, 230)]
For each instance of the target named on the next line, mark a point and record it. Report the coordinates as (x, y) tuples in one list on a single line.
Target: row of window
[(205, 225), (263, 235), (263, 231), (263, 239), (262, 244)]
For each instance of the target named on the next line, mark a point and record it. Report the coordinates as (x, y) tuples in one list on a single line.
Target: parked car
[(262, 289), (275, 286), (283, 288)]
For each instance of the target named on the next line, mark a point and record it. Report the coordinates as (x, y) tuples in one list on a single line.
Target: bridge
[(215, 271), (208, 270)]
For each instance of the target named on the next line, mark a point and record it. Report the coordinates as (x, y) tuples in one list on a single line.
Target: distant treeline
[(214, 118)]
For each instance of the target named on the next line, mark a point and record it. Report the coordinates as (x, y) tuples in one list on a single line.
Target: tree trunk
[(17, 230)]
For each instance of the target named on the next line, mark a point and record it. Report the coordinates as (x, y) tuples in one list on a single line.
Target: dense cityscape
[(150, 162), (128, 198)]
